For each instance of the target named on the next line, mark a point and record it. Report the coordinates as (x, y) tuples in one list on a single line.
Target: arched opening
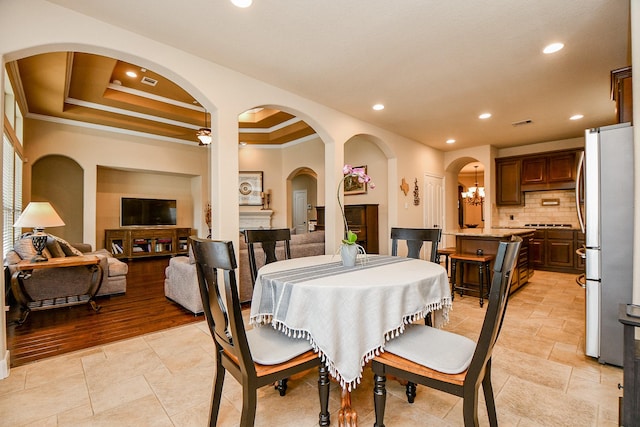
[(471, 196), (288, 154), (69, 178)]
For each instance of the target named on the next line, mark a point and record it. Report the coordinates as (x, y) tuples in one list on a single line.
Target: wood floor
[(141, 310)]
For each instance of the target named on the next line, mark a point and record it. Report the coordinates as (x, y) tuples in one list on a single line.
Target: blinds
[(11, 193)]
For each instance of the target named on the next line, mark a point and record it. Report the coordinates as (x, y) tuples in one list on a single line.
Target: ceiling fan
[(204, 133)]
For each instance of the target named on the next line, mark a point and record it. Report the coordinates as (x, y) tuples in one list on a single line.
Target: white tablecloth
[(348, 313)]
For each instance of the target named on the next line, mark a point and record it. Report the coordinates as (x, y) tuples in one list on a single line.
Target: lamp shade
[(39, 215)]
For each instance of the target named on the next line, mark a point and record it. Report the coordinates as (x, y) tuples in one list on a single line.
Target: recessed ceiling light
[(131, 74), (553, 48), (484, 116), (378, 107), (242, 3), (243, 143), (576, 117), (450, 141)]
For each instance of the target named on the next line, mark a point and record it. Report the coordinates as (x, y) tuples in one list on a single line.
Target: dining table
[(349, 313)]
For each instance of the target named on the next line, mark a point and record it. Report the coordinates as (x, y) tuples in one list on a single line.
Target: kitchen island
[(470, 240)]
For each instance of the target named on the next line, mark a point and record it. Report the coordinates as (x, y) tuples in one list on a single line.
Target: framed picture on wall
[(353, 186), (250, 188)]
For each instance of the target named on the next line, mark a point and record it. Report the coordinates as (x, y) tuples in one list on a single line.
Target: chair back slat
[(268, 240), (222, 309), (415, 237), (505, 262)]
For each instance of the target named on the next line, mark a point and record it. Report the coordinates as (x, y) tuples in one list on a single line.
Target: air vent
[(522, 122), (149, 81)]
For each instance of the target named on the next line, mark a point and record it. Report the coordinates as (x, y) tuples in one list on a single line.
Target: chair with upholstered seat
[(446, 361), (415, 237), (268, 240), (257, 357)]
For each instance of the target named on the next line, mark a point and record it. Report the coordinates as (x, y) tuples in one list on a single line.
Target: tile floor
[(541, 377)]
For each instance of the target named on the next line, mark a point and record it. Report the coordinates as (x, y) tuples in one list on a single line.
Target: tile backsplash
[(533, 212)]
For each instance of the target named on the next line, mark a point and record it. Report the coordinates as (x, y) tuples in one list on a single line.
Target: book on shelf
[(116, 248)]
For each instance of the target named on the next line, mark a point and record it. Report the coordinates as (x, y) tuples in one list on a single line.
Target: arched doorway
[(471, 196)]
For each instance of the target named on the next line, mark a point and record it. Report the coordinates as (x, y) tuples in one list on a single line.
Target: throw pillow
[(54, 248), (24, 248), (192, 258), (66, 247)]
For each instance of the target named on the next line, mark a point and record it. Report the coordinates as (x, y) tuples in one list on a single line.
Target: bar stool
[(446, 252), (483, 262)]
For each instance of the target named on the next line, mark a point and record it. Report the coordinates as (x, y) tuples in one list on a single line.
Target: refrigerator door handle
[(579, 172)]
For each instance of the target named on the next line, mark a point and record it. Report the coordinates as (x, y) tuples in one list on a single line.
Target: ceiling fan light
[(204, 135)]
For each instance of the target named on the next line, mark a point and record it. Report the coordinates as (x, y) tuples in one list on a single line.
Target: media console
[(138, 242)]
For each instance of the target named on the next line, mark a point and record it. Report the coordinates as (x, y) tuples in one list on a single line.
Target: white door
[(300, 211), (433, 201)]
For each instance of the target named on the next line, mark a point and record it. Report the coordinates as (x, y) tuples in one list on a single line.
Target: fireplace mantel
[(255, 219)]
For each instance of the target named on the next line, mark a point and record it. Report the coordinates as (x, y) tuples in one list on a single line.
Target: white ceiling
[(436, 65)]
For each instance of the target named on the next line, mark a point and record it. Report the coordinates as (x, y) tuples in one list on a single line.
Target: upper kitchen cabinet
[(621, 94), (554, 170), (508, 192)]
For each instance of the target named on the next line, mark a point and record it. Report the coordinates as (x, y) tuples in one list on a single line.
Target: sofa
[(181, 280), (48, 283)]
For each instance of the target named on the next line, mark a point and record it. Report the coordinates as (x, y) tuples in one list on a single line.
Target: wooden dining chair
[(257, 357), (415, 238), (446, 361), (268, 239)]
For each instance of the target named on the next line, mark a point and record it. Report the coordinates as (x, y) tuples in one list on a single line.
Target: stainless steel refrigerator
[(608, 226)]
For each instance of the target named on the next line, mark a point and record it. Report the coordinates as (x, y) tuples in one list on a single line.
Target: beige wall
[(361, 151), (113, 184)]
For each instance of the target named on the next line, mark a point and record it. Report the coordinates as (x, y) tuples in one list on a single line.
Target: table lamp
[(39, 215)]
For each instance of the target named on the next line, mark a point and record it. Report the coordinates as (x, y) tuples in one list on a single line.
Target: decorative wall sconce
[(404, 187), (416, 193)]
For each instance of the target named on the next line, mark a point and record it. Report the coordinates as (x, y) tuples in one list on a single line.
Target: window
[(11, 192), (11, 167)]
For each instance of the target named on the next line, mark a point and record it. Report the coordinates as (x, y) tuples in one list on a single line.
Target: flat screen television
[(149, 212)]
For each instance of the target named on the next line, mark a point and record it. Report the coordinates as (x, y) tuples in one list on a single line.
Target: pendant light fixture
[(204, 133), (475, 195)]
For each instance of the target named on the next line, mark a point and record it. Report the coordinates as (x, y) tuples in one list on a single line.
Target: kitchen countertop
[(488, 232)]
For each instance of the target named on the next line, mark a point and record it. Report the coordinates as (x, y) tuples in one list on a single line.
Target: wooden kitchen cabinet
[(555, 250), (508, 192), (555, 170), (621, 94), (534, 170), (562, 168), (536, 249), (362, 220), (560, 248)]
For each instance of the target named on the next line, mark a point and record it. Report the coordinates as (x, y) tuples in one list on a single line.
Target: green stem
[(344, 217)]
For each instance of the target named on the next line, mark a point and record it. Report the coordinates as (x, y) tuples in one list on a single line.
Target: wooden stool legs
[(483, 262)]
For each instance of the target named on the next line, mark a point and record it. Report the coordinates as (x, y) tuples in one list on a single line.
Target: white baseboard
[(4, 365)]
